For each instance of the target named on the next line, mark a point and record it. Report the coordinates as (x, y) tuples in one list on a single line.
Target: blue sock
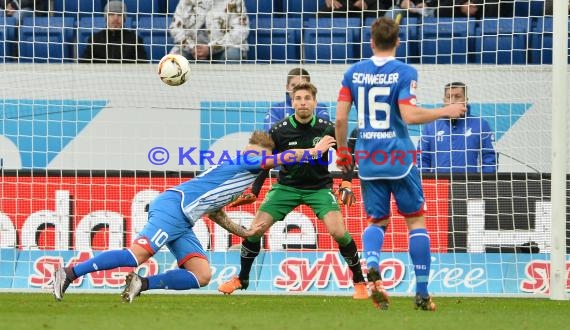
[(372, 240), (421, 258), (106, 260), (176, 279)]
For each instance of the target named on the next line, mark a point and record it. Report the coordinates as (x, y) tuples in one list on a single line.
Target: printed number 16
[(373, 107)]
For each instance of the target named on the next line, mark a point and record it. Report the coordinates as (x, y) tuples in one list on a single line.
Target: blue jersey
[(217, 186), (377, 86), (460, 145)]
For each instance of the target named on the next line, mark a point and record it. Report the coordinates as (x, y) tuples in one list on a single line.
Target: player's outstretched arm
[(221, 218), (417, 115), (251, 197)]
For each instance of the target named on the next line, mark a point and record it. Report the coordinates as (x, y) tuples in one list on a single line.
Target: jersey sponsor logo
[(377, 135), (293, 143)]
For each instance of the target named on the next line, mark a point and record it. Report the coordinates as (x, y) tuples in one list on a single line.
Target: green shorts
[(281, 200)]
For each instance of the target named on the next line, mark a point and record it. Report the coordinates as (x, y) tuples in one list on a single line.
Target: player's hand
[(344, 194), (325, 143), (456, 110), (254, 230), (244, 199)]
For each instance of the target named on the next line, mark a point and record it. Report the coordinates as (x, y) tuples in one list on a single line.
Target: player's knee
[(204, 278)]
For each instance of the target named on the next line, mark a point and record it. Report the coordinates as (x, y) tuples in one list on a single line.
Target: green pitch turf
[(204, 312)]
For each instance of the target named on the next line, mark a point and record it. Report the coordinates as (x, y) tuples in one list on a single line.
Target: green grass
[(201, 312)]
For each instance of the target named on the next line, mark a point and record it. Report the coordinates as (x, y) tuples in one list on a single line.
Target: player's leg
[(156, 233), (278, 202), (376, 197), (409, 197), (325, 205), (193, 272)]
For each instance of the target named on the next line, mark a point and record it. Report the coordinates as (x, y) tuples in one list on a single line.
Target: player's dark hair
[(262, 139), (456, 84), (385, 33), (305, 85), (298, 72)]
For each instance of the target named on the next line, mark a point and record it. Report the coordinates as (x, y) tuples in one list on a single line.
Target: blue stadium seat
[(154, 32), (81, 7), (47, 39), (536, 8), (301, 8), (332, 40), (171, 6), (409, 42), (8, 28), (141, 6), (89, 25), (446, 40), (540, 41), (275, 40), (502, 41), (257, 9)]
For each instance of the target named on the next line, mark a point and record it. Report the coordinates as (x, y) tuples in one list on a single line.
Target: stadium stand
[(502, 41), (446, 40), (47, 39), (275, 40), (154, 32), (332, 40), (409, 42), (7, 38), (291, 32)]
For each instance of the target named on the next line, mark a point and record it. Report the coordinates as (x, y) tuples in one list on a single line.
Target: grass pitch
[(193, 311)]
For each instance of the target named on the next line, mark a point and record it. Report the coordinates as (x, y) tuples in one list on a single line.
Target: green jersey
[(309, 173)]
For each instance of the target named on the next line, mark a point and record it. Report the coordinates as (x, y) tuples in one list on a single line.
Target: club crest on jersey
[(316, 140), (413, 87)]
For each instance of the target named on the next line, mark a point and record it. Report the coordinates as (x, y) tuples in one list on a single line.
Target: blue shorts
[(167, 225), (407, 191)]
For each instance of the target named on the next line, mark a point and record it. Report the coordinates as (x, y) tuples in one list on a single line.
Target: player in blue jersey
[(383, 90), (462, 145), (172, 215)]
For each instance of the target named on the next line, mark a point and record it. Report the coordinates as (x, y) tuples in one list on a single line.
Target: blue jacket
[(279, 111), (461, 145)]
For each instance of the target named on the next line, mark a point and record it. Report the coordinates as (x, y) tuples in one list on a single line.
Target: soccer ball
[(173, 70)]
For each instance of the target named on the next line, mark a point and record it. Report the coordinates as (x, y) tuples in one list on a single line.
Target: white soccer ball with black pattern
[(174, 70)]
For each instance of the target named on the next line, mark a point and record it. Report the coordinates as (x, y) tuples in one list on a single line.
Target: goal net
[(85, 147)]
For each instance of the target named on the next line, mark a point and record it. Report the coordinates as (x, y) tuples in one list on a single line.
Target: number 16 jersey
[(377, 86)]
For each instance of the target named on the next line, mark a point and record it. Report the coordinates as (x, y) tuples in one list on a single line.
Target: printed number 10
[(373, 107)]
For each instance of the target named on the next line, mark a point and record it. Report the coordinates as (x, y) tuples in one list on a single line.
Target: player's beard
[(304, 115)]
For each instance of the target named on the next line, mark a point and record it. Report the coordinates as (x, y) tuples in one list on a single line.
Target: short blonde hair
[(262, 139)]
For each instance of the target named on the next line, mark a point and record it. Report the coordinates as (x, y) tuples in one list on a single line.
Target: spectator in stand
[(463, 145), (20, 9), (417, 8), (351, 8), (115, 44), (281, 110), (210, 30), (475, 9)]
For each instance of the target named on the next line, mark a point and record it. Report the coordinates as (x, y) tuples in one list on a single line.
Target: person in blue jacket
[(279, 111), (463, 145)]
